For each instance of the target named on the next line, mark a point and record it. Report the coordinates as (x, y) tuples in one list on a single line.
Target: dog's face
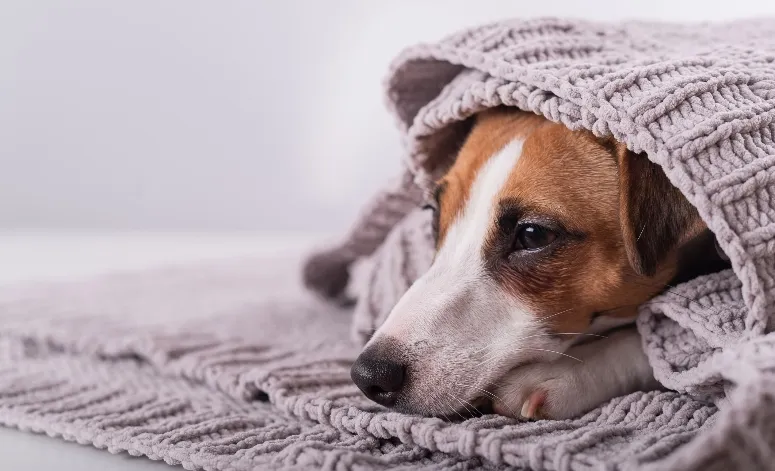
[(542, 233)]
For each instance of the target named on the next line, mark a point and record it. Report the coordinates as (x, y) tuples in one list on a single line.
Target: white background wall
[(223, 115)]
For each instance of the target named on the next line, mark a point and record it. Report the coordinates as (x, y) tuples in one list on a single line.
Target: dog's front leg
[(602, 370)]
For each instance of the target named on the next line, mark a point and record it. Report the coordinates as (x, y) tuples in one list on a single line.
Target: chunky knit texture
[(251, 380)]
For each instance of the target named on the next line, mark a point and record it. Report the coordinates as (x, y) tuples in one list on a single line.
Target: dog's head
[(542, 233)]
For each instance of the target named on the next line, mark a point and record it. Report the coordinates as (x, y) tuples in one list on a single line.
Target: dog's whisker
[(641, 233), (556, 314), (490, 395), (473, 407), (542, 335), (454, 398), (489, 346), (581, 333), (489, 359), (621, 307), (482, 349), (562, 333), (437, 403), (449, 405), (454, 409), (474, 386), (543, 318), (559, 353), (490, 356), (463, 403), (493, 355), (496, 384)]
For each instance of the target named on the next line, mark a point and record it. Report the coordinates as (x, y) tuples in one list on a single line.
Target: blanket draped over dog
[(262, 382)]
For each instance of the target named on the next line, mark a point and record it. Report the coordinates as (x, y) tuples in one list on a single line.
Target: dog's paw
[(545, 391)]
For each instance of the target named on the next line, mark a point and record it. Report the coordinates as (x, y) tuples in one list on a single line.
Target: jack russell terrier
[(547, 241)]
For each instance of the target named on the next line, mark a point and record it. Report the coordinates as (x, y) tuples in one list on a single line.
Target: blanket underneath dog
[(253, 380)]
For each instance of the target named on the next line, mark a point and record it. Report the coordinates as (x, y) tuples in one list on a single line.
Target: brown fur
[(622, 220)]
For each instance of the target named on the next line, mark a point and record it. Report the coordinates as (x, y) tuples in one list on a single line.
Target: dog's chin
[(473, 408), (449, 405)]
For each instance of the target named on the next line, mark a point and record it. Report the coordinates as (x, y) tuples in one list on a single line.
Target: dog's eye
[(533, 237)]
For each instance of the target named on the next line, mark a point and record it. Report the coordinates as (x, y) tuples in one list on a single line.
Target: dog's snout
[(380, 379)]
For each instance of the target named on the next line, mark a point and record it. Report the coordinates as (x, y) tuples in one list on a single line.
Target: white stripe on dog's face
[(465, 239)]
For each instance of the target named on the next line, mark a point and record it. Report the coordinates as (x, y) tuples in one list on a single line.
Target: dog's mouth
[(478, 407)]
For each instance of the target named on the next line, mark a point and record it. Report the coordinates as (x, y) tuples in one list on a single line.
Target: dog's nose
[(379, 379)]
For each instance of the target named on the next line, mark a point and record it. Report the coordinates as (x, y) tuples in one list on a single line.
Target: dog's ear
[(654, 214)]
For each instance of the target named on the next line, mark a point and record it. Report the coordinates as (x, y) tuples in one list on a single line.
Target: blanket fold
[(233, 367)]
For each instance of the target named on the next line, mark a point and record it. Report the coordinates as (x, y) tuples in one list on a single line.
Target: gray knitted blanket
[(249, 380)]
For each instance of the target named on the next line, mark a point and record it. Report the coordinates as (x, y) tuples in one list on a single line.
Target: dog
[(547, 241)]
